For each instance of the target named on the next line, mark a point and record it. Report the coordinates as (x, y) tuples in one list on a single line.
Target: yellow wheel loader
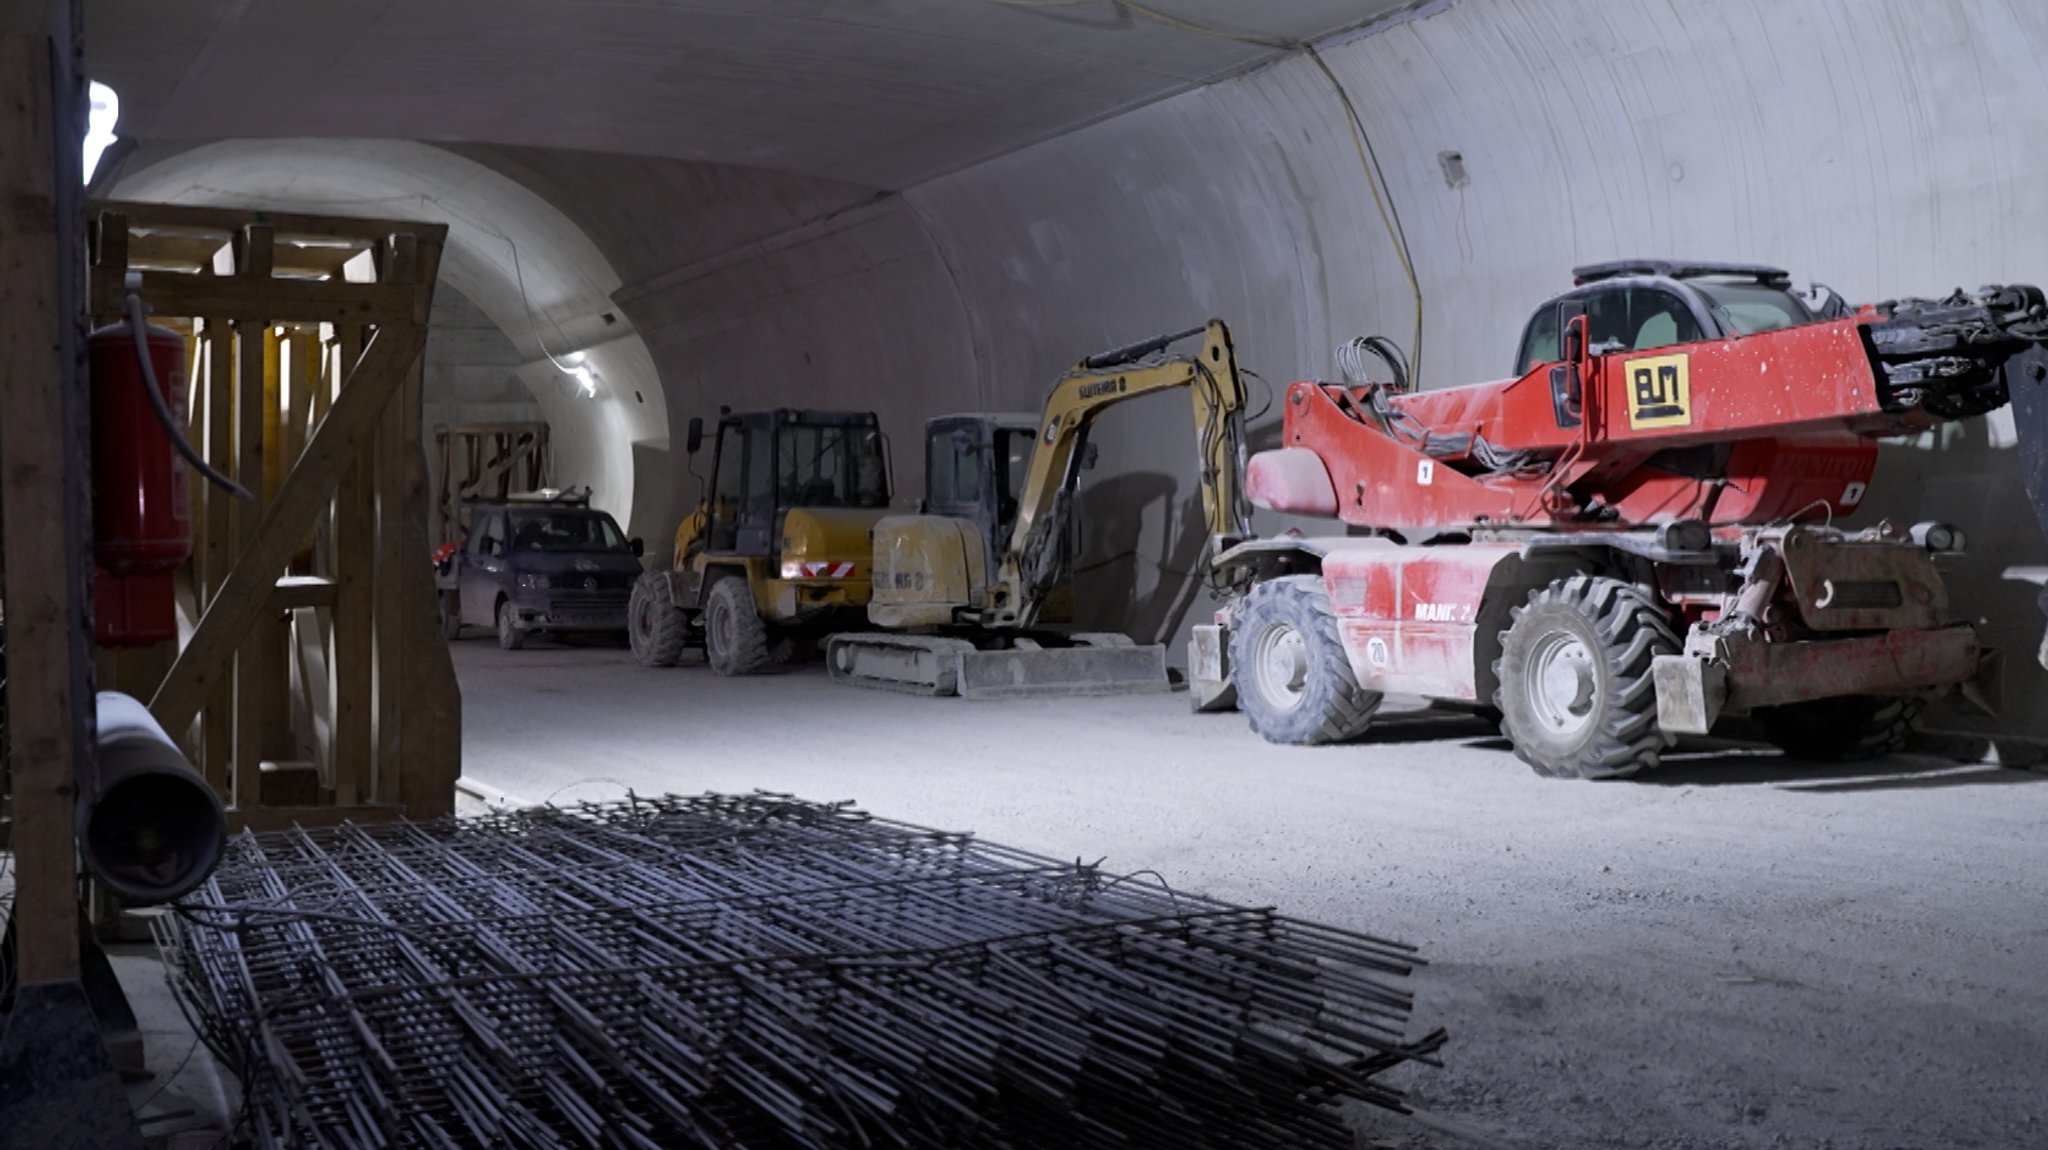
[(777, 555), (968, 594)]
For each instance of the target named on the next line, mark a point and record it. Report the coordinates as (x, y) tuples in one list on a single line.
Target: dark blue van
[(546, 563)]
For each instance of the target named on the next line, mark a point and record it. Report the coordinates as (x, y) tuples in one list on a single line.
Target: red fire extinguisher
[(142, 518)]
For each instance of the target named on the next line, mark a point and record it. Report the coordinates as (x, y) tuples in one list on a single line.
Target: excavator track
[(936, 665)]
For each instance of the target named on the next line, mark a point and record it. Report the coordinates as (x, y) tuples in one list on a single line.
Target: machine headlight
[(1943, 537), (534, 582), (792, 570)]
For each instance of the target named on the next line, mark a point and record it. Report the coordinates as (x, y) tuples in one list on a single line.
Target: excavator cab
[(976, 468)]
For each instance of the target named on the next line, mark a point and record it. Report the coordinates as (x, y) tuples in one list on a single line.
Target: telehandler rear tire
[(735, 635), (1846, 729), (1576, 695), (655, 628), (1294, 681)]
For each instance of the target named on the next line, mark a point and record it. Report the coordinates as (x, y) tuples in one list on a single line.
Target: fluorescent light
[(99, 136)]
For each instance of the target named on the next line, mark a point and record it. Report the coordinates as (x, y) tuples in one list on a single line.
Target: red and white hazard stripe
[(829, 570)]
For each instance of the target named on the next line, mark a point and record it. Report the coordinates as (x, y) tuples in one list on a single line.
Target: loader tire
[(1294, 682), (794, 649), (1576, 696), (656, 628), (736, 638), (1846, 729)]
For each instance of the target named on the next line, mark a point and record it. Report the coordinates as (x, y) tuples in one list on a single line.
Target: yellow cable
[(1359, 140)]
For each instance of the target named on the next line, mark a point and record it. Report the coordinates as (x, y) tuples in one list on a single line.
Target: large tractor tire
[(1294, 682), (736, 640), (1576, 695), (1847, 729), (655, 628)]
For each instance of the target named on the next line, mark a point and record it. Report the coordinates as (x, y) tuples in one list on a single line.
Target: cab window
[(1660, 319)]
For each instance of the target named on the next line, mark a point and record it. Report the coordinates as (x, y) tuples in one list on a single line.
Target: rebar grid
[(762, 972)]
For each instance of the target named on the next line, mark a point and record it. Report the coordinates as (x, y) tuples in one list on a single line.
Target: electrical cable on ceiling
[(1368, 157)]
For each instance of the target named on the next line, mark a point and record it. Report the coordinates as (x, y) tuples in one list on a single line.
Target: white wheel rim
[(1562, 682), (1281, 666)]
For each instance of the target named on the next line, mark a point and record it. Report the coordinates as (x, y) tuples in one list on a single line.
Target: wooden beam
[(296, 591), (254, 677), (45, 619), (354, 571), (291, 225), (216, 725), (283, 301), (246, 591)]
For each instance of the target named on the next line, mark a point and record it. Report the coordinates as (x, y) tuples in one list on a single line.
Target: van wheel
[(735, 636), (510, 637)]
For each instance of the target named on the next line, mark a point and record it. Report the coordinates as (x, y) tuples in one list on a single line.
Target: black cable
[(164, 418)]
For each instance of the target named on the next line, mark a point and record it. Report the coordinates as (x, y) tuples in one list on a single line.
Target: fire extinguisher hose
[(139, 327)]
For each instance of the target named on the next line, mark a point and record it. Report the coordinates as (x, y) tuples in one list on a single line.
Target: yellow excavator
[(967, 595)]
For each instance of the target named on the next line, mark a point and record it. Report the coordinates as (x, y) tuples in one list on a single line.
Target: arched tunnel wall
[(1886, 147)]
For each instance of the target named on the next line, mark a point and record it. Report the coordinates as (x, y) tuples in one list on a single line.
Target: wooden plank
[(292, 225), (378, 375), (431, 721), (296, 591), (355, 564), (216, 726), (44, 618), (262, 819), (390, 476), (282, 300), (253, 674)]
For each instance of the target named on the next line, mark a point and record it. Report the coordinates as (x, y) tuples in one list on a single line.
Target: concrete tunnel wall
[(1886, 147)]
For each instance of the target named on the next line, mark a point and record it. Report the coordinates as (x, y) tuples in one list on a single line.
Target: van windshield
[(565, 531)]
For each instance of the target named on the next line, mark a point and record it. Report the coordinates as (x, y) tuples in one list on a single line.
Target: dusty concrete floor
[(1738, 951)]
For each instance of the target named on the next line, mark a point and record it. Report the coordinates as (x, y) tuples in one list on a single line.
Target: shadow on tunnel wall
[(1120, 584)]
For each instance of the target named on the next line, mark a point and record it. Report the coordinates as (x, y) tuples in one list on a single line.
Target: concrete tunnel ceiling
[(930, 205)]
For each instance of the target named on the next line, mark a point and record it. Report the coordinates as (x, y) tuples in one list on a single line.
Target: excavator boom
[(1033, 559)]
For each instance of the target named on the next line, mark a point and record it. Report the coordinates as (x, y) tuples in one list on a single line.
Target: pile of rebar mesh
[(761, 972)]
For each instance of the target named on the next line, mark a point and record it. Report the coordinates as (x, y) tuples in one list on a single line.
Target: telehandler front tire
[(1576, 695), (735, 636), (656, 628), (1294, 682)]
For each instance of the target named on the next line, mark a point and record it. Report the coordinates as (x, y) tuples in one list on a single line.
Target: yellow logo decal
[(1659, 392)]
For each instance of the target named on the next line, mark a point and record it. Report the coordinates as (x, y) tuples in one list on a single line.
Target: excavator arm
[(1034, 556)]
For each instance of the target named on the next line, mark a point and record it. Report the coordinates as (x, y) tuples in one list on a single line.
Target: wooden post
[(40, 494), (355, 564)]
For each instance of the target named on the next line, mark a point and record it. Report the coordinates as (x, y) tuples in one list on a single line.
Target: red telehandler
[(1634, 537)]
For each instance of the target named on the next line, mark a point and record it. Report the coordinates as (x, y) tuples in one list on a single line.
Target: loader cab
[(975, 469), (765, 463), (1639, 305)]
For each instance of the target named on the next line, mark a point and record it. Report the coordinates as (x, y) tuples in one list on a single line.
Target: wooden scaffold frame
[(312, 684)]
